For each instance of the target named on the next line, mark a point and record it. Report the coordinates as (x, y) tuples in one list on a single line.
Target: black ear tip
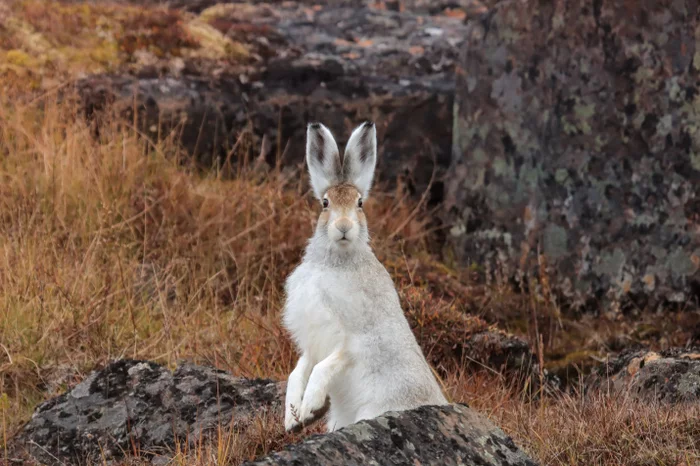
[(315, 125), (368, 124)]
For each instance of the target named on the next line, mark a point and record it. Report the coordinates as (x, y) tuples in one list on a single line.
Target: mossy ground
[(43, 44)]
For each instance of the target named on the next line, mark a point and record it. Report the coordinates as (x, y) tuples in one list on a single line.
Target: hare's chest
[(316, 311)]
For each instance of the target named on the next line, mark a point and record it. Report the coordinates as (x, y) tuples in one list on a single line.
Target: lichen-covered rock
[(335, 63), (454, 7), (142, 406), (139, 404), (577, 136), (671, 376), (430, 435)]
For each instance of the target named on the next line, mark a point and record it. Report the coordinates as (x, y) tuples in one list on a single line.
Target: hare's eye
[(359, 203), (325, 203)]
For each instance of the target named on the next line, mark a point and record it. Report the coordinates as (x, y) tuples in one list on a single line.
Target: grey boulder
[(430, 435), (671, 376), (575, 152), (140, 405)]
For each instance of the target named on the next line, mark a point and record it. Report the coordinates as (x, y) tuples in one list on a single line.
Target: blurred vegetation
[(44, 43)]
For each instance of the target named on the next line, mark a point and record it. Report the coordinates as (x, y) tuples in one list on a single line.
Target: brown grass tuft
[(592, 429)]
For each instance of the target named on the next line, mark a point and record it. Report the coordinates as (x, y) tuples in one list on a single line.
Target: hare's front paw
[(314, 406)]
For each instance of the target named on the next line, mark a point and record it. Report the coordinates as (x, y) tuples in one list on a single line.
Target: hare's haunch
[(342, 308)]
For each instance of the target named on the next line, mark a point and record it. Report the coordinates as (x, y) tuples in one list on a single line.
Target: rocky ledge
[(139, 405), (430, 435), (671, 376), (336, 62)]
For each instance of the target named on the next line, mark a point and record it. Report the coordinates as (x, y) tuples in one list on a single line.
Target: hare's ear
[(361, 157), (323, 158)]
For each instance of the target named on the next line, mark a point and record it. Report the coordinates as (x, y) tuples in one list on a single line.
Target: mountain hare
[(359, 357)]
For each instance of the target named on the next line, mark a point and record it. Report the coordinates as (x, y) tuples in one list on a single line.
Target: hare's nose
[(343, 224)]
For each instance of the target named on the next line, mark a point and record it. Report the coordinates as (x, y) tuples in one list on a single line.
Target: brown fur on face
[(343, 197)]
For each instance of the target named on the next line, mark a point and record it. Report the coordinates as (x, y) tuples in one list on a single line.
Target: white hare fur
[(342, 310)]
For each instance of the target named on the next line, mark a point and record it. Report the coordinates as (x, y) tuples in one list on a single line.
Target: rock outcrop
[(141, 405), (576, 136), (334, 62), (430, 435), (457, 8), (671, 376)]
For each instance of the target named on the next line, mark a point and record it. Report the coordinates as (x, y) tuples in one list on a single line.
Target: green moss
[(106, 54), (583, 113), (561, 175), (19, 58), (101, 37), (212, 43)]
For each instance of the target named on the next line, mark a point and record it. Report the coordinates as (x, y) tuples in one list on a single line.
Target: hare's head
[(341, 185)]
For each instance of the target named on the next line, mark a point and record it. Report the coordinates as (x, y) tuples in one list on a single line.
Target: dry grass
[(43, 43), (111, 248), (593, 429)]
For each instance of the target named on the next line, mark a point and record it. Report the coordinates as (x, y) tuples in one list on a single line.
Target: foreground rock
[(576, 136), (141, 405), (671, 376), (447, 435), (336, 62)]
